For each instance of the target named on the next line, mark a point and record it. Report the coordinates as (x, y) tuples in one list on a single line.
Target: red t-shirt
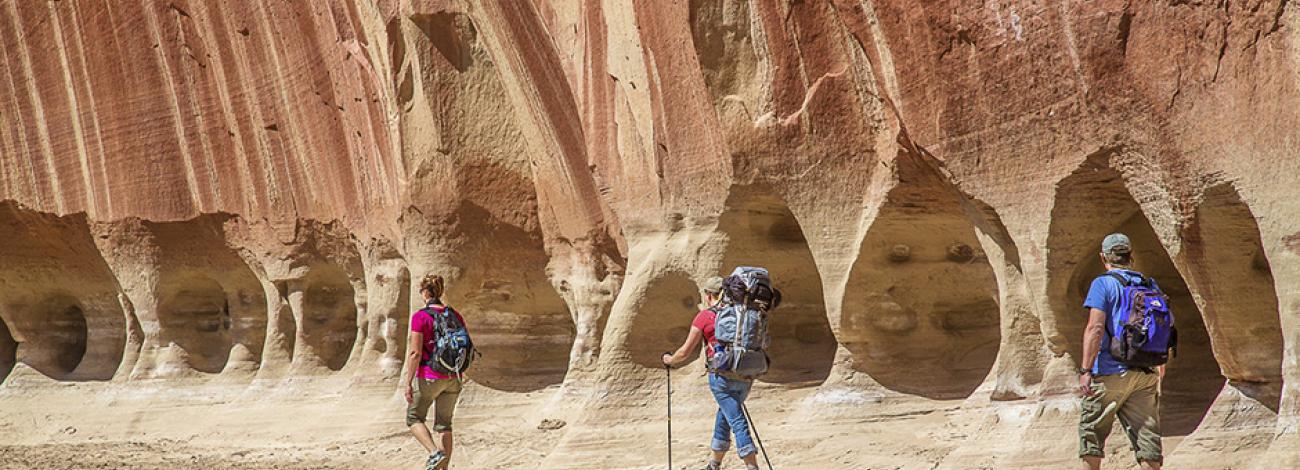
[(423, 323), (705, 321)]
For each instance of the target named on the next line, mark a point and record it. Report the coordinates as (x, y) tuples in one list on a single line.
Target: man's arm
[(1091, 346), (692, 342), (414, 340)]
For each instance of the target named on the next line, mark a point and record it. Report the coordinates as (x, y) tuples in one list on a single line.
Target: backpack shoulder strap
[(425, 310), (453, 317), (439, 321), (1123, 280)]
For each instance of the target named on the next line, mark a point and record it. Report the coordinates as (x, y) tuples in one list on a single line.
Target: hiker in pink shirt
[(437, 385)]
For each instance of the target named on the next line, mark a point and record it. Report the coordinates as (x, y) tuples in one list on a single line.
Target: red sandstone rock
[(222, 193)]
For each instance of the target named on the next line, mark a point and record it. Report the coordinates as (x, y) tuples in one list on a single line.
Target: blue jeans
[(730, 395)]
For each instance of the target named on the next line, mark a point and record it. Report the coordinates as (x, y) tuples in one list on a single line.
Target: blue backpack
[(453, 350), (740, 326), (1143, 334)]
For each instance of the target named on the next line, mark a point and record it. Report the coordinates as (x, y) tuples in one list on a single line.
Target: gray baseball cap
[(712, 285), (1116, 243)]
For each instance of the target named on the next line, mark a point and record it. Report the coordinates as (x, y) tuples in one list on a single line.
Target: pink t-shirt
[(423, 323)]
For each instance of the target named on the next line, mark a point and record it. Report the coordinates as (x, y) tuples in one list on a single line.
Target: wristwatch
[(1083, 370)]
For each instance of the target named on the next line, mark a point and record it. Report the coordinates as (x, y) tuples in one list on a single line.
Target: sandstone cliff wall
[(243, 192)]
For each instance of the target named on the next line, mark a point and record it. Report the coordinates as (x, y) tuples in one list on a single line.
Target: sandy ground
[(340, 423)]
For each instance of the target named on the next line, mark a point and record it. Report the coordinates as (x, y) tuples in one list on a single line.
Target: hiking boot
[(713, 466), (437, 461)]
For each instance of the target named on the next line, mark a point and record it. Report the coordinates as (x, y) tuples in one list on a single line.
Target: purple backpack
[(1142, 332)]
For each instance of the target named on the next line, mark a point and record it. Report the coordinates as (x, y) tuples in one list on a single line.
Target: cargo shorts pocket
[(1096, 417)]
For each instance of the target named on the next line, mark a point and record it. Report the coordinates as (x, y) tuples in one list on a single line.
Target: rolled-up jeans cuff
[(746, 451), (720, 446)]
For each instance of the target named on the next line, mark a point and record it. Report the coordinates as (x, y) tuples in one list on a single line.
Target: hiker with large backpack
[(439, 349), (734, 330), (1128, 340)]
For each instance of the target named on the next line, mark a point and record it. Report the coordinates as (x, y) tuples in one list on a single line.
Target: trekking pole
[(756, 438), (668, 369)]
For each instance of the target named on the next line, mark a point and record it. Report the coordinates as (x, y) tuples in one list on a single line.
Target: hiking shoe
[(713, 466), (437, 461)]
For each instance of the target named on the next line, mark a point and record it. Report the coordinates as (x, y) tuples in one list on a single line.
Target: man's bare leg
[(1149, 465), (1090, 463), (422, 434), (446, 443)]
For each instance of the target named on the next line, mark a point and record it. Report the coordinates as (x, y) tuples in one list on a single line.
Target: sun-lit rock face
[(243, 196)]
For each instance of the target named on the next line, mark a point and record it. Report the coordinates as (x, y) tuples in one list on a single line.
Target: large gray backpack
[(741, 324)]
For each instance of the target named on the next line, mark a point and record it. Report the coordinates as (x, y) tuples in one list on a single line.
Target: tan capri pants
[(442, 394)]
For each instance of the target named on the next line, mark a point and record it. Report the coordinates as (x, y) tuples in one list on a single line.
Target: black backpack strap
[(1123, 280), (430, 361), (1145, 282)]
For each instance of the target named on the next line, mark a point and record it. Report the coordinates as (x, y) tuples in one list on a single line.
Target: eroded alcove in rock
[(519, 322), (920, 312), (1090, 204), (328, 320), (1232, 281), (194, 310), (59, 345), (209, 302), (761, 231), (60, 300), (663, 319)]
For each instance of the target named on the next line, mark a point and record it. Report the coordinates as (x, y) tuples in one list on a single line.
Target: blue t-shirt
[(1105, 295)]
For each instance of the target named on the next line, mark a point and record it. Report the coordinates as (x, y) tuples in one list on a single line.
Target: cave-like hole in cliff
[(663, 319), (1229, 273), (1091, 203), (210, 304), (60, 299), (920, 314), (55, 334), (518, 321), (329, 316), (8, 351), (197, 316), (761, 231)]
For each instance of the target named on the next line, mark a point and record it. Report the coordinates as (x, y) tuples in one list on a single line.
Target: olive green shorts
[(442, 394), (1134, 397)]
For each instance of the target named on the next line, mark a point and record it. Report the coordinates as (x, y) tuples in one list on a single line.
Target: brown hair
[(1123, 260), (432, 283)]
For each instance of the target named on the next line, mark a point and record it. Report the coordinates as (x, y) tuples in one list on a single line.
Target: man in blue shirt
[(1109, 388)]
